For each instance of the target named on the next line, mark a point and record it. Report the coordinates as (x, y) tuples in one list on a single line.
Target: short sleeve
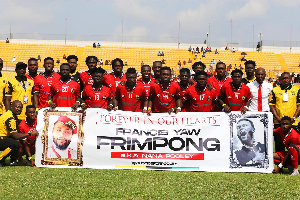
[(298, 97), (9, 90), (248, 94), (11, 125), (77, 91), (273, 98), (36, 87)]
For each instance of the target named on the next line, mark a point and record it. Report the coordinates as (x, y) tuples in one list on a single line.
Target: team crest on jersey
[(208, 98), (29, 84), (172, 96), (158, 95), (104, 98), (122, 95), (57, 90), (3, 81), (72, 90), (42, 86), (194, 99), (137, 96), (229, 97), (292, 92), (243, 97)]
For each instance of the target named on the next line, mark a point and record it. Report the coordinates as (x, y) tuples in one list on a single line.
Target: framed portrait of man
[(62, 138), (248, 140)]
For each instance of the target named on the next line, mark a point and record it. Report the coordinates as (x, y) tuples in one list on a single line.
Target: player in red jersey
[(235, 96), (184, 76), (164, 95), (97, 95), (220, 79), (117, 75), (32, 69), (200, 66), (200, 98), (130, 96), (146, 79), (43, 83), (65, 92), (86, 77), (27, 126), (157, 65), (291, 140)]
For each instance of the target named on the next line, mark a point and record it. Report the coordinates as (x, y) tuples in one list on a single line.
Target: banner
[(210, 141)]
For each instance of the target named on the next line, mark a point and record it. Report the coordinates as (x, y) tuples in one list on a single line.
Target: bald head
[(260, 75), (16, 107)]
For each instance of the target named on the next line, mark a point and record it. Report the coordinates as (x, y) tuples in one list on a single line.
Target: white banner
[(214, 141)]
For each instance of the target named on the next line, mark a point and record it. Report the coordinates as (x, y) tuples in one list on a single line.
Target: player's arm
[(115, 103), (226, 108), (8, 95), (50, 98), (77, 97), (296, 115), (27, 152), (150, 100), (272, 106), (178, 104), (245, 108)]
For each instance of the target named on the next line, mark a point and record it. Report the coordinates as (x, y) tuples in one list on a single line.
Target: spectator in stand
[(184, 62), (216, 51), (164, 96), (233, 50), (3, 86), (101, 61), (235, 96), (190, 48), (20, 88), (7, 40), (190, 61), (58, 61), (32, 69), (197, 49), (9, 142), (291, 140), (162, 53), (249, 69), (142, 63), (39, 58), (203, 54), (284, 101), (156, 68), (27, 126), (106, 62), (226, 48), (43, 83), (235, 67), (196, 53), (94, 45), (129, 97), (244, 58), (126, 63), (158, 54), (229, 67), (14, 59), (65, 92), (199, 98), (260, 92), (109, 63), (98, 45), (64, 57), (97, 95), (201, 49), (75, 75)]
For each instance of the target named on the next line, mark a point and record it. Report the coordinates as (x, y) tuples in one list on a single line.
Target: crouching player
[(27, 126), (291, 140)]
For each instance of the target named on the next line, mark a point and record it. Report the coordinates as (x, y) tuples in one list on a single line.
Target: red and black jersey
[(25, 127), (30, 77), (86, 79), (182, 94), (235, 98), (146, 85), (164, 98), (200, 101), (42, 84), (116, 79), (217, 84), (65, 93), (291, 138), (96, 97), (130, 99)]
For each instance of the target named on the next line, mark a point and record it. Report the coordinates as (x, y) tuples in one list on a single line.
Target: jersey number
[(97, 97)]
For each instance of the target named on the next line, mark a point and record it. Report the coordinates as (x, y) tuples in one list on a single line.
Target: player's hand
[(110, 107), (35, 132), (171, 110), (32, 163), (83, 106), (227, 109), (177, 111), (209, 87), (191, 82), (149, 112), (115, 108), (122, 83), (279, 119), (52, 105), (243, 110), (75, 105), (276, 170)]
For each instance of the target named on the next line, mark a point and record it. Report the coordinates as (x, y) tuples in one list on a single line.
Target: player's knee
[(294, 147)]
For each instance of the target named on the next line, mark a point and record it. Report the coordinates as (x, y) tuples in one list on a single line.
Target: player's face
[(65, 71), (201, 80), (198, 68), (184, 77), (32, 66), (156, 68), (260, 75), (97, 77), (73, 64), (30, 113), (285, 80), (62, 135), (165, 76), (131, 79), (117, 67), (49, 65), (236, 78), (249, 69), (92, 64), (1, 64), (17, 107), (221, 70), (21, 71), (286, 126), (244, 129), (146, 72)]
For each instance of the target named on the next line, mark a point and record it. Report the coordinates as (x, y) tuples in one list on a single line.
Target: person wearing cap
[(20, 88), (63, 130)]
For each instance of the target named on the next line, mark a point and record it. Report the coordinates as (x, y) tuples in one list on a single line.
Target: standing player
[(32, 69), (86, 77), (157, 65), (220, 79), (184, 85), (249, 69), (72, 61), (291, 141), (200, 98), (235, 96), (65, 92), (3, 86), (117, 75), (20, 88), (97, 95), (146, 79), (27, 126), (165, 95), (43, 83), (129, 97)]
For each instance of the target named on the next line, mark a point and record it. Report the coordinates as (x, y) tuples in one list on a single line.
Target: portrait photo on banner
[(248, 140), (62, 138)]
